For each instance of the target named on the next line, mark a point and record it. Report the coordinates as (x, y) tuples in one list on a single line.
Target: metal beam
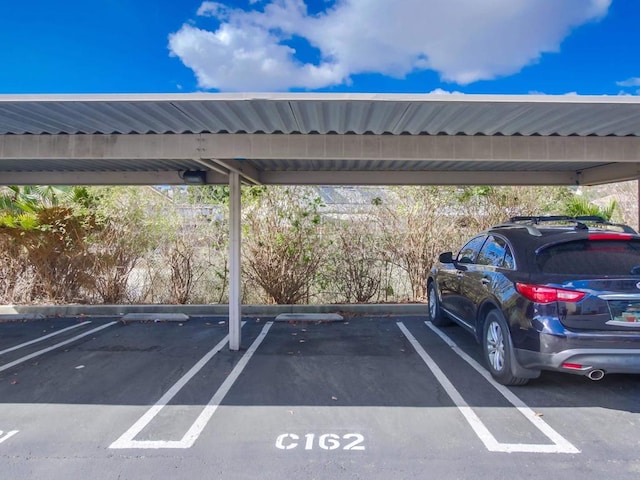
[(588, 177), (235, 270), (101, 178), (592, 176), (316, 146), (615, 172), (211, 165), (420, 178), (638, 200), (246, 171)]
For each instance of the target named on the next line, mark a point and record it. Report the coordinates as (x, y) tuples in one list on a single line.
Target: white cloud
[(566, 94), (463, 40), (630, 82), (440, 91), (210, 9)]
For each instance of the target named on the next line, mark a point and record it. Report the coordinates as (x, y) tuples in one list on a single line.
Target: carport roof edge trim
[(309, 113), (320, 96)]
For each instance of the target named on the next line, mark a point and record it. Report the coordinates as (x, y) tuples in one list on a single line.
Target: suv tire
[(435, 313), (498, 350)]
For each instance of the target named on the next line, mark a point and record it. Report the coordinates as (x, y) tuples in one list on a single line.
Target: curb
[(20, 317), (210, 310)]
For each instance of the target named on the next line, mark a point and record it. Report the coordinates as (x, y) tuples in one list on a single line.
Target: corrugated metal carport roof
[(319, 138), (394, 114)]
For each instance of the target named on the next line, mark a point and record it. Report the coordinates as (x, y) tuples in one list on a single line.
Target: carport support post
[(235, 305)]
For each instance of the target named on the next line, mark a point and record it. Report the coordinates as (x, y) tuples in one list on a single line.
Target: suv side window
[(496, 252), (509, 262), (469, 252)]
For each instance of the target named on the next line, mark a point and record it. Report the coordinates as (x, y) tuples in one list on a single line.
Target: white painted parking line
[(57, 345), (559, 445), (40, 339), (6, 436), (187, 441), (524, 409)]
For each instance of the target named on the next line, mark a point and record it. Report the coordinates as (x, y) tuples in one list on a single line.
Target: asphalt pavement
[(375, 397)]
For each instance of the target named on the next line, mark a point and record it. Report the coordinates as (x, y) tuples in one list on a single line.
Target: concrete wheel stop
[(309, 317), (155, 317)]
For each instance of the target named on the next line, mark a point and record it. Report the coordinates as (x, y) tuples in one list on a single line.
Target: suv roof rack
[(580, 223)]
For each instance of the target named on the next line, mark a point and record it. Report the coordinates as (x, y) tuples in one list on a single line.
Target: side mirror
[(446, 257)]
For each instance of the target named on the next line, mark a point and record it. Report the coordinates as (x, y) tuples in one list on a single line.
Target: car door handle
[(485, 281)]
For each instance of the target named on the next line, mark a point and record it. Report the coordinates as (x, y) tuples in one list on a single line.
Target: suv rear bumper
[(581, 361)]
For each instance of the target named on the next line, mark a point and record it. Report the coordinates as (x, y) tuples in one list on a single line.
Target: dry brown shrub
[(284, 248)]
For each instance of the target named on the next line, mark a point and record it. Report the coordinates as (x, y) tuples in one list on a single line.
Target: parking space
[(370, 397)]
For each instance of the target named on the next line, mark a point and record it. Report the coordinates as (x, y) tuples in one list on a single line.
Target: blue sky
[(588, 47)]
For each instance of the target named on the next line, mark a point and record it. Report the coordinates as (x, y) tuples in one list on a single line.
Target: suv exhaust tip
[(596, 374)]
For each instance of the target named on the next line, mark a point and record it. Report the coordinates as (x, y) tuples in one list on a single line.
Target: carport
[(318, 139)]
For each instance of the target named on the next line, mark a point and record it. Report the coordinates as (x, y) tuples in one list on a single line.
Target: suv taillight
[(543, 294), (610, 236)]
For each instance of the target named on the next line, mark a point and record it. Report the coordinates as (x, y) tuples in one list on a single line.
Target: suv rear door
[(607, 268)]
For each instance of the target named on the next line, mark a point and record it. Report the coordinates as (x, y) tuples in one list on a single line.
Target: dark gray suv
[(545, 293)]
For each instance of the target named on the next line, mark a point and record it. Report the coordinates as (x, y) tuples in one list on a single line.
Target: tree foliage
[(283, 246), (144, 245), (355, 269), (579, 205), (44, 230), (416, 224)]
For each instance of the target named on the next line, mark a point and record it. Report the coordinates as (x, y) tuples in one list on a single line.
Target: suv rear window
[(589, 257)]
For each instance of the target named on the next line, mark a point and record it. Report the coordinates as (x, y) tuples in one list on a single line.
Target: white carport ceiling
[(311, 138)]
